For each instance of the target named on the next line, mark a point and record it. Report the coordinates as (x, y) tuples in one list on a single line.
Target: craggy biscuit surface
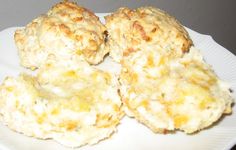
[(145, 28), (64, 31), (163, 83)]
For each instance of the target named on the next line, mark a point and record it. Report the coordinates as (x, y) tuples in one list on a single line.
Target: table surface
[(213, 17)]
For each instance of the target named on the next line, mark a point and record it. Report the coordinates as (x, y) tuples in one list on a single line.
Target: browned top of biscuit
[(66, 30), (146, 27)]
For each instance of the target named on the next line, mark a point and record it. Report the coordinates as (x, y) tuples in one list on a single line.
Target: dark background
[(213, 17)]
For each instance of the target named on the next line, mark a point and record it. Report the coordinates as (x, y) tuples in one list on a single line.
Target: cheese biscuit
[(66, 30), (70, 103)]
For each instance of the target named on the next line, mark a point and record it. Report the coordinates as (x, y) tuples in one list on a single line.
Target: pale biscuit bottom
[(75, 106), (169, 94)]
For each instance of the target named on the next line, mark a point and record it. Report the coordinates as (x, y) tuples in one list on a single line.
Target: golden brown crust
[(66, 30), (143, 28)]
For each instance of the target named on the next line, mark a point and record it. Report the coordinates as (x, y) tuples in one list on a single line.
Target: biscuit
[(145, 28), (70, 103), (66, 30), (173, 94)]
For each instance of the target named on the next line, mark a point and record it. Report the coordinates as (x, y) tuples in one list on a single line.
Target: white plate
[(132, 135)]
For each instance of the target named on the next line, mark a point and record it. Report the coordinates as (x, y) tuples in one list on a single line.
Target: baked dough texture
[(168, 94), (164, 82), (145, 28), (66, 30), (70, 103)]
